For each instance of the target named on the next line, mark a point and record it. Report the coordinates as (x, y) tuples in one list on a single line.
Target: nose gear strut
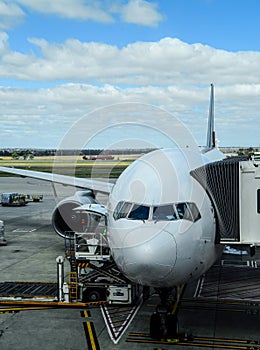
[(164, 321)]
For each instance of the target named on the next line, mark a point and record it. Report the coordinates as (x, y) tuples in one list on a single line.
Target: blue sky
[(61, 60)]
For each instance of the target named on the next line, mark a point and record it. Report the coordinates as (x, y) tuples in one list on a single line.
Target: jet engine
[(65, 219)]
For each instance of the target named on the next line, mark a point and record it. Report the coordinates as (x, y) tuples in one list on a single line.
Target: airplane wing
[(95, 185)]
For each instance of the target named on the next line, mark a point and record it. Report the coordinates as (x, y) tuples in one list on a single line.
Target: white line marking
[(24, 230)]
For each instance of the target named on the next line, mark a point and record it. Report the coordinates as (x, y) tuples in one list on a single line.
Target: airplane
[(161, 223)]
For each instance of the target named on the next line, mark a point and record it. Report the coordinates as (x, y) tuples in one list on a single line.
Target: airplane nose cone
[(148, 261)]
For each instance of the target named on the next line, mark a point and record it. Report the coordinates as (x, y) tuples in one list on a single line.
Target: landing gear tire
[(164, 326), (172, 326), (156, 326)]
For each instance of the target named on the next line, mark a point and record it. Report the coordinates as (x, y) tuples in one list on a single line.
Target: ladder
[(69, 244), (73, 286)]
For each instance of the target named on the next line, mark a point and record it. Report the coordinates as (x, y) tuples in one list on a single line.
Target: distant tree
[(15, 155), (28, 156)]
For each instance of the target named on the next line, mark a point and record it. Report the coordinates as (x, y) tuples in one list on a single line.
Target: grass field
[(70, 165)]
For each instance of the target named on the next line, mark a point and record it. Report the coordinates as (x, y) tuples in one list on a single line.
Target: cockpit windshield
[(122, 210), (183, 211), (139, 212), (166, 212)]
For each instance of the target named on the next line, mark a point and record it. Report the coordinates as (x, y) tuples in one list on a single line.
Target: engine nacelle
[(65, 219)]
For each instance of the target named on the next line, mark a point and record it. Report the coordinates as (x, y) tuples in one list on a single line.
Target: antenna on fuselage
[(211, 137)]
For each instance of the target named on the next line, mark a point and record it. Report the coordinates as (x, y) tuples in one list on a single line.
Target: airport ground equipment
[(2, 233), (19, 199), (13, 199), (34, 197), (94, 276)]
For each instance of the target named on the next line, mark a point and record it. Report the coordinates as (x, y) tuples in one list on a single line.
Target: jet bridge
[(233, 186)]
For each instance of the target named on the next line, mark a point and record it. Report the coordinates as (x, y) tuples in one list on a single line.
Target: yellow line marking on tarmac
[(86, 313), (44, 304), (222, 340), (91, 336), (16, 309), (90, 333), (206, 342), (190, 343)]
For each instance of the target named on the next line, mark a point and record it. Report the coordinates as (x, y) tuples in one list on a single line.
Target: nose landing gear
[(164, 321), (163, 325)]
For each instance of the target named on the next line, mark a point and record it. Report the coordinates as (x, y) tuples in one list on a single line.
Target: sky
[(64, 61)]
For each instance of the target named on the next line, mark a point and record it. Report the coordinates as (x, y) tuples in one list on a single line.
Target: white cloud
[(76, 9), (169, 73), (51, 112), (141, 12), (4, 46), (168, 61), (11, 15)]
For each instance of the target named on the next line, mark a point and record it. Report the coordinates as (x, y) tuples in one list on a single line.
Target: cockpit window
[(122, 210), (194, 211), (139, 212), (183, 211), (188, 211), (164, 212)]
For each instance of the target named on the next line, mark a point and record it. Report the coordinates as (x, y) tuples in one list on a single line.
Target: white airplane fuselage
[(161, 223)]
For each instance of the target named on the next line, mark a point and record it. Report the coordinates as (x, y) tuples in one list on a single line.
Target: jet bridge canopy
[(233, 186)]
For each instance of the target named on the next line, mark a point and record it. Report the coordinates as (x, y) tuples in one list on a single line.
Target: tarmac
[(220, 311)]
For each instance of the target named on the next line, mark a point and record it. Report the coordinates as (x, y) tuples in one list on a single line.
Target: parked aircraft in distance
[(161, 223)]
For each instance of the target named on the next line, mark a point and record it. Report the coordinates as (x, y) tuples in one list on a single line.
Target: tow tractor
[(94, 276)]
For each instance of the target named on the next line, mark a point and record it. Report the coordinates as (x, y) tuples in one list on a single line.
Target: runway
[(220, 311)]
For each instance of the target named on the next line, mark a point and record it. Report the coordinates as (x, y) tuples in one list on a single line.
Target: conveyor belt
[(28, 289)]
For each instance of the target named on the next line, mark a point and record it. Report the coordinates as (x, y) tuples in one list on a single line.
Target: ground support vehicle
[(19, 199), (2, 233), (13, 199), (34, 197), (94, 276)]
